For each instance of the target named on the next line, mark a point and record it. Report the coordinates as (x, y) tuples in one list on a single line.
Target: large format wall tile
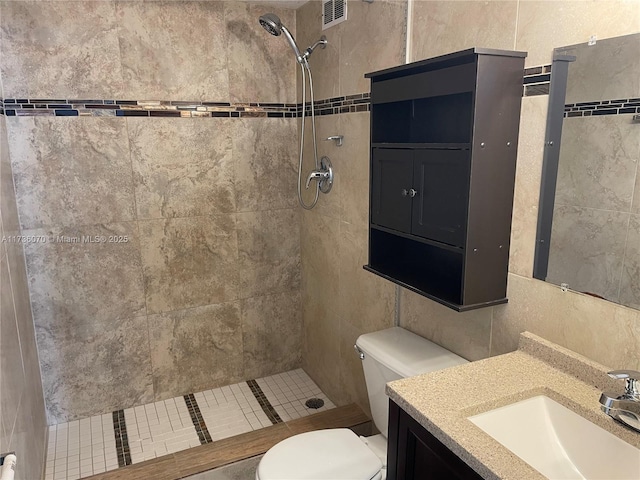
[(195, 349), (262, 67), (383, 18), (630, 285), (71, 171), (587, 250), (265, 155), (320, 251), (79, 283), (598, 162), (527, 184), (352, 386), (173, 50), (325, 63), (182, 168), (610, 71), (12, 380), (354, 171), (320, 288), (23, 423), (602, 331), (8, 207), (544, 25), (28, 441), (189, 262), (94, 368), (467, 334), (328, 204), (21, 302), (272, 333), (320, 346), (268, 252), (62, 49), (365, 300), (441, 27)]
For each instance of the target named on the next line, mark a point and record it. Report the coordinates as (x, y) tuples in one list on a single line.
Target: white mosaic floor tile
[(81, 448), (159, 428), (86, 447)]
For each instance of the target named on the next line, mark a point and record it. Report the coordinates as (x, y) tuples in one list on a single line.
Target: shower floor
[(101, 443)]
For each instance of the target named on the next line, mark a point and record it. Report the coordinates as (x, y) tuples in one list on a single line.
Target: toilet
[(339, 454)]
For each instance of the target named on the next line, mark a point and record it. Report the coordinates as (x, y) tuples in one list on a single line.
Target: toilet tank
[(393, 354)]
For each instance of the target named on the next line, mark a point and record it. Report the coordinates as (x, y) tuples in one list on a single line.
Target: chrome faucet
[(324, 175), (624, 408)]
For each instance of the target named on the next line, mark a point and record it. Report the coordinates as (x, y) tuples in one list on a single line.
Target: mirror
[(589, 218)]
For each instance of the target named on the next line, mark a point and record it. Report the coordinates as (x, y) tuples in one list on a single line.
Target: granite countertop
[(441, 401)]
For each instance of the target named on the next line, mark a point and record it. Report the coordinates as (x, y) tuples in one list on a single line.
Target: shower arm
[(320, 43)]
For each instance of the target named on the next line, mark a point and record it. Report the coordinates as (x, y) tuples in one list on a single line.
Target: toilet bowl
[(338, 453)]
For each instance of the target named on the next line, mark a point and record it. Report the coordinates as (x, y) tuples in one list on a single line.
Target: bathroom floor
[(101, 443)]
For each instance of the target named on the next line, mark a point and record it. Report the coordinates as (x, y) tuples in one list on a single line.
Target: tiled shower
[(166, 246), (162, 253)]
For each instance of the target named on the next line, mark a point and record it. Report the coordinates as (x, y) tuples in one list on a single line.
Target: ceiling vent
[(333, 12)]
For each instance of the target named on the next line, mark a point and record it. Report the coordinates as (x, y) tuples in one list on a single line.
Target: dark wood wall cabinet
[(444, 134), (415, 454)]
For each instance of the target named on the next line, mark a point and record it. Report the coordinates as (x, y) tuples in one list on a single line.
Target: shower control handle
[(324, 175), (404, 192), (413, 192), (316, 174)]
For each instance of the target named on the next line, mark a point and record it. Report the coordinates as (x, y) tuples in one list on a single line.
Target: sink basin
[(559, 443)]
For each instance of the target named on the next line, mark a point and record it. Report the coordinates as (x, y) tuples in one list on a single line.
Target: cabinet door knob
[(404, 192), (413, 193)]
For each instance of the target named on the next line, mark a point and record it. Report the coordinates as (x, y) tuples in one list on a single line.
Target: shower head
[(272, 24)]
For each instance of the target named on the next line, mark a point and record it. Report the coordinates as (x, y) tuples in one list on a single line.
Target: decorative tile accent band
[(605, 107), (196, 417), (264, 402), (145, 108), (122, 440), (535, 82), (180, 109)]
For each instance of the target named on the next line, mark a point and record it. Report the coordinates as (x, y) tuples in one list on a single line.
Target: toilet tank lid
[(406, 353)]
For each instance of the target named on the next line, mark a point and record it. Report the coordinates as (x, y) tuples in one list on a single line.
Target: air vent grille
[(333, 12)]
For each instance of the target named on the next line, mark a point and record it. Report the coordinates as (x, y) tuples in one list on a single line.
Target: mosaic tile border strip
[(268, 409), (196, 417), (145, 108), (179, 109), (605, 107), (122, 440), (535, 82)]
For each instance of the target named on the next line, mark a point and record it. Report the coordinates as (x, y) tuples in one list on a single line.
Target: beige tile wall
[(23, 423), (341, 300), (594, 236), (205, 291), (603, 331)]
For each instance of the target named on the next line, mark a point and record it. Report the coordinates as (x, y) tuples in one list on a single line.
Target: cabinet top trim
[(450, 59)]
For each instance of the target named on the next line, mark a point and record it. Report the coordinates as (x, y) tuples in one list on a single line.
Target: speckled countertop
[(441, 401)]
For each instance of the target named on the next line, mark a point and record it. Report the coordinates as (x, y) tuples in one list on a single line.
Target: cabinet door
[(391, 180), (441, 178), (415, 454)]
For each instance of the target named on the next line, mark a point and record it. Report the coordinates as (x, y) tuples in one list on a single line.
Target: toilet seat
[(335, 454)]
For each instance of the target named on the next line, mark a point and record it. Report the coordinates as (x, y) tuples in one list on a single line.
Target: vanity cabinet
[(415, 454), (444, 137)]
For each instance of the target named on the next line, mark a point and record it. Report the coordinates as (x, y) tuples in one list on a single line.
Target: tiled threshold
[(240, 447), (111, 442)]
